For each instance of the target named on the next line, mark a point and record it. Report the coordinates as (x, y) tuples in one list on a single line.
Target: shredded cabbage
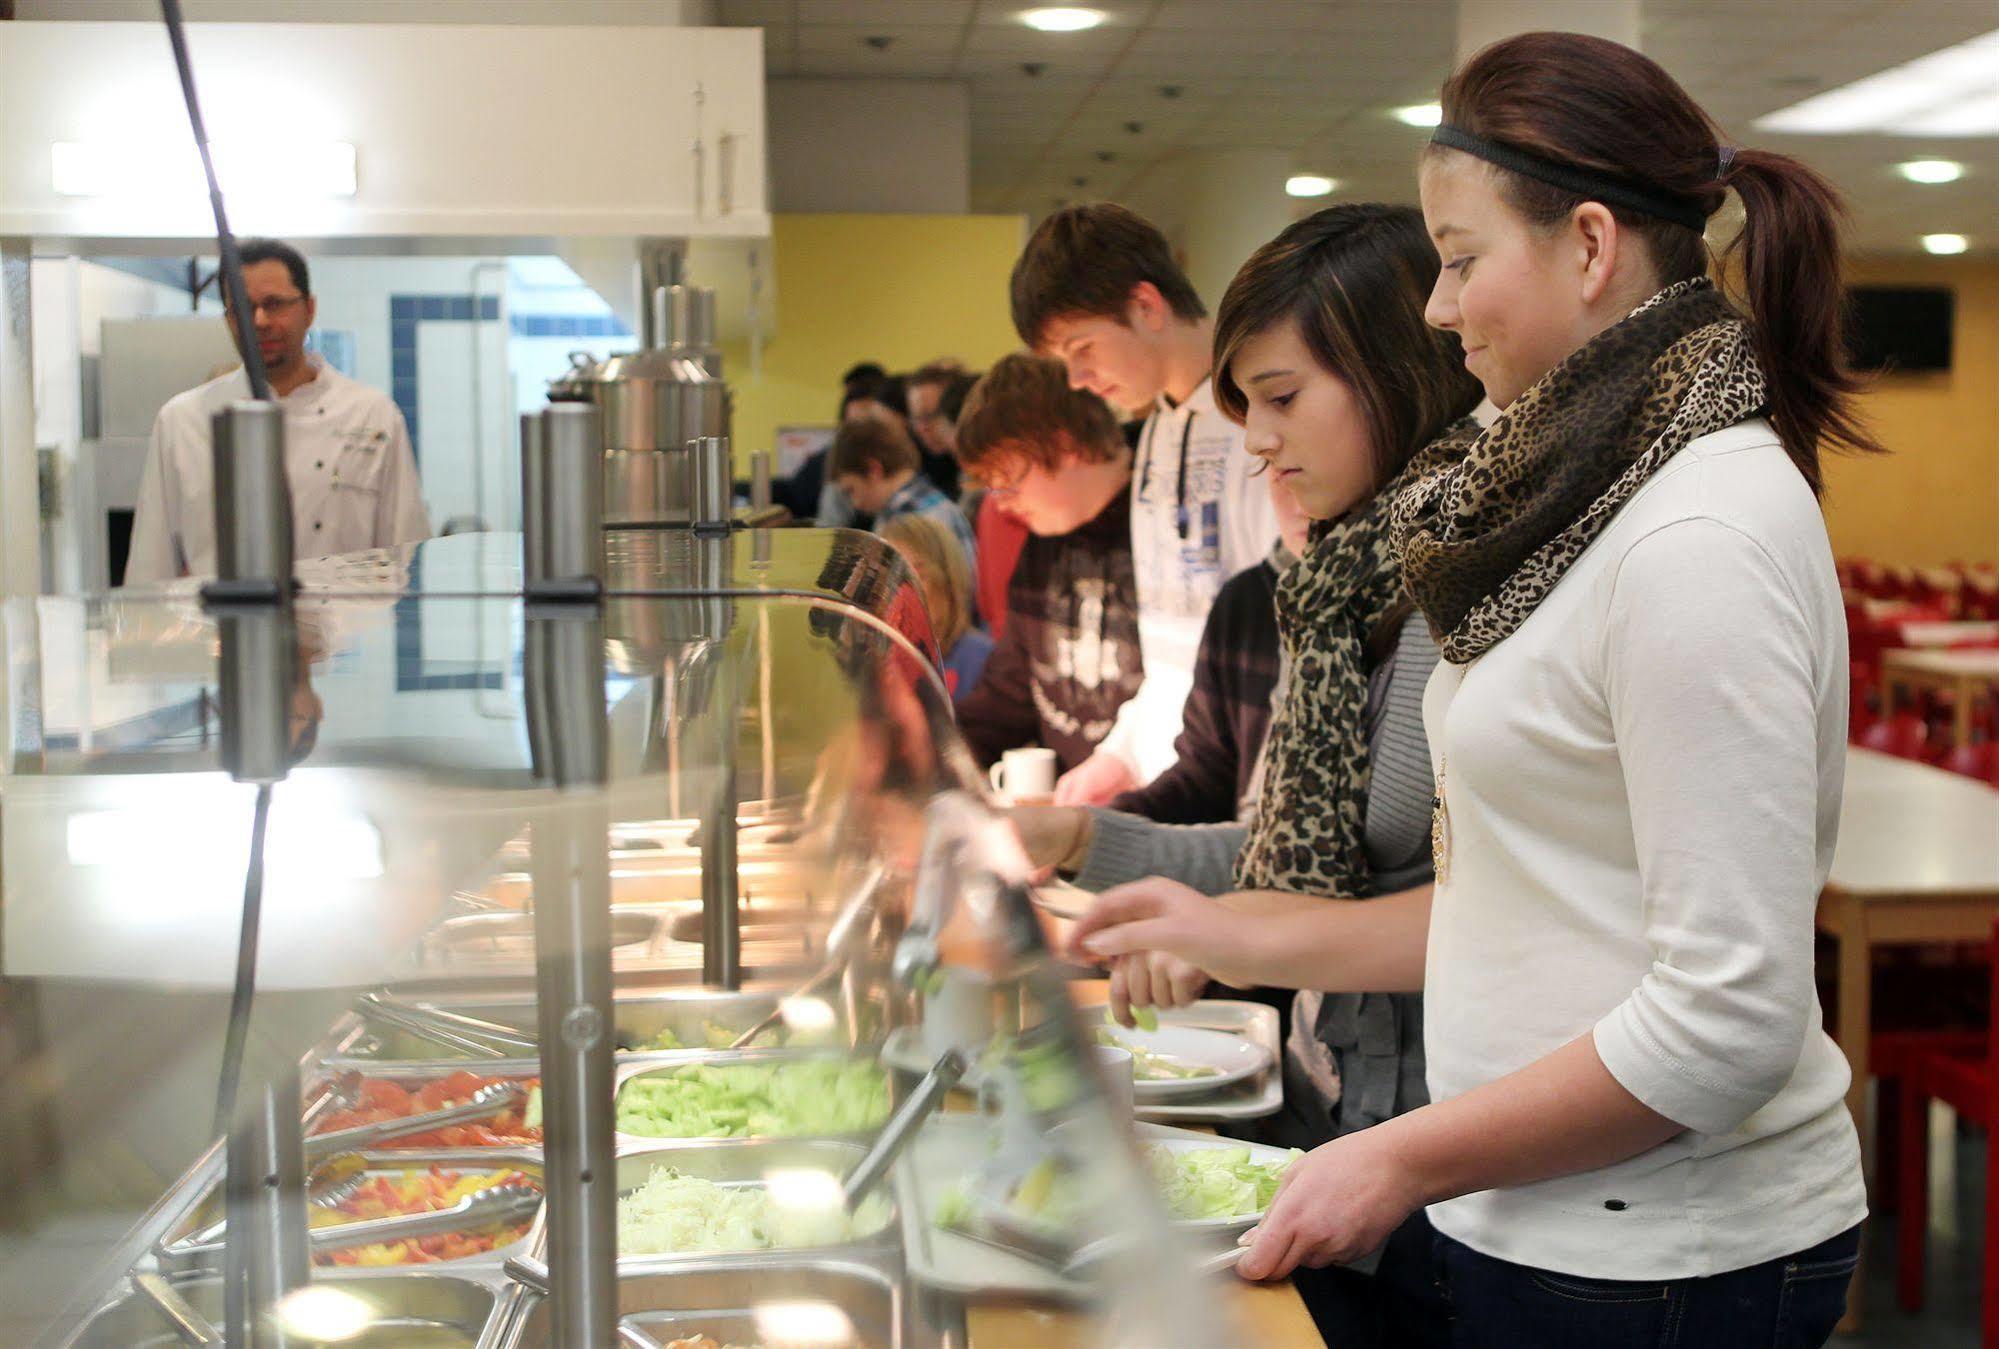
[(1215, 1182), (674, 1213), (756, 1100)]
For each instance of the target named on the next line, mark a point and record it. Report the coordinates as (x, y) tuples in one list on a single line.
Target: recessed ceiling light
[(1931, 170), (1945, 245), (1062, 19), (1309, 185), (1421, 114), (1953, 92)]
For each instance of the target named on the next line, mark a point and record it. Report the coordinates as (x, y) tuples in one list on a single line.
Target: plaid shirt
[(919, 496), (1227, 712)]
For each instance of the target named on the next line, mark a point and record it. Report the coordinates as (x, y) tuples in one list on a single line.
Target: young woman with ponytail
[(1638, 1132)]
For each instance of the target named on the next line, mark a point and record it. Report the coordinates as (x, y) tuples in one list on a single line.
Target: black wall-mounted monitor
[(1900, 329)]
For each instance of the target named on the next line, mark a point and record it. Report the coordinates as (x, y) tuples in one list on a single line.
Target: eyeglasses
[(277, 306)]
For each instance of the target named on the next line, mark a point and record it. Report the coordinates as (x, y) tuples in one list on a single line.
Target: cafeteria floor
[(1949, 1319)]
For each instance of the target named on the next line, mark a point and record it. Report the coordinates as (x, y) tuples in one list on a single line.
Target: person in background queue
[(1214, 774), (1097, 288), (347, 452), (936, 394), (944, 575), (1069, 657), (1638, 1131), (877, 467)]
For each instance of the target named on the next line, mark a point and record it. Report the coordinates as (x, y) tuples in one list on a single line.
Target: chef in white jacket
[(353, 476)]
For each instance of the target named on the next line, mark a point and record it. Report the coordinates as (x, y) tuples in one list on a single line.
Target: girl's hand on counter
[(1153, 979), (1055, 838), (1161, 917), (1337, 1202)]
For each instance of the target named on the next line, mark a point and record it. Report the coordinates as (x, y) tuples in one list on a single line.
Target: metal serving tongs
[(466, 1034), (192, 1327), (492, 1099), (850, 928), (495, 1204)]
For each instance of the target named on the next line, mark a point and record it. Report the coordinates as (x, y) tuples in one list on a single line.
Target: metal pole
[(760, 480), (567, 509), (710, 509), (265, 1255), (721, 916), (534, 493), (253, 504), (569, 735), (572, 897)]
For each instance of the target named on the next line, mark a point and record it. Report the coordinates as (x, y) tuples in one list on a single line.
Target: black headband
[(1633, 196)]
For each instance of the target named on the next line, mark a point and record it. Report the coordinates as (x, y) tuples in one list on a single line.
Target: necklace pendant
[(1440, 836)]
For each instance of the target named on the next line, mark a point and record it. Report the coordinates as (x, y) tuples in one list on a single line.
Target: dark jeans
[(1399, 1306), (1789, 1303)]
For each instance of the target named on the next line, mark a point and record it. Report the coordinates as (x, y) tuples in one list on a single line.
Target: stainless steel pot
[(654, 401)]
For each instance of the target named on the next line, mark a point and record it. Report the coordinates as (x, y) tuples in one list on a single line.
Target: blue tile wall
[(405, 312)]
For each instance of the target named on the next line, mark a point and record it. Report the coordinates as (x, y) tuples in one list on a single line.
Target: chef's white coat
[(353, 476)]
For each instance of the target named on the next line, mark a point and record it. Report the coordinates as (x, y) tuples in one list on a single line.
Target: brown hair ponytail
[(1598, 105), (1790, 273)]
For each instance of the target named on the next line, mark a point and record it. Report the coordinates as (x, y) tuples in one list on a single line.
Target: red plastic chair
[(1968, 1082), (1904, 735)]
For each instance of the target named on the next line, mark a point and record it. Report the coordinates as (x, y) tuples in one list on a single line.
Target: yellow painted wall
[(898, 289), (1935, 498)]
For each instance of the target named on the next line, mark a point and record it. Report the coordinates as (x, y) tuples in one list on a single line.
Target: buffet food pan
[(345, 1089), (176, 1255), (410, 1311), (638, 1069), (700, 1020), (776, 1300), (738, 1165)]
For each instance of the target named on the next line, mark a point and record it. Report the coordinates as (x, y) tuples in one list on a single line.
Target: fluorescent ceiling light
[(1931, 170), (1062, 19), (1953, 92), (248, 171), (1421, 114), (1309, 185), (1945, 245)]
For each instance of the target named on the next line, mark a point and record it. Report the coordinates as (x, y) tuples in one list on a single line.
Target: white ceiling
[(1318, 78)]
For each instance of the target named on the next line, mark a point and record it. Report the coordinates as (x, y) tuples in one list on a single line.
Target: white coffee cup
[(1024, 774)]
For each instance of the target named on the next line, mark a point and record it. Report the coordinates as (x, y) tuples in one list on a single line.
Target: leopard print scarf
[(1492, 521), (1306, 835)]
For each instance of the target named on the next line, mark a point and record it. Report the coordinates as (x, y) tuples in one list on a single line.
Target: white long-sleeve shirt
[(353, 475), (1642, 788), (1197, 518)]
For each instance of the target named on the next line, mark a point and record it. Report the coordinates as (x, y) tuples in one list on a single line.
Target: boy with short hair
[(1068, 658), (879, 469), (1098, 289)]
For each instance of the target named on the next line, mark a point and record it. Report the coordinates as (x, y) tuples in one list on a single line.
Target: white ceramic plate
[(1235, 1223), (1233, 1057)]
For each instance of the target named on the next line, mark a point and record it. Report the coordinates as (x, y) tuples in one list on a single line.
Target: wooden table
[(1918, 861), (1946, 634), (1267, 1315), (1969, 675)]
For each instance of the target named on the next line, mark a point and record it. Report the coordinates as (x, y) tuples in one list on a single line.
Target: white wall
[(870, 145)]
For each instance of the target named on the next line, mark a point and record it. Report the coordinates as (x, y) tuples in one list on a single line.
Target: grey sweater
[(1352, 1059)]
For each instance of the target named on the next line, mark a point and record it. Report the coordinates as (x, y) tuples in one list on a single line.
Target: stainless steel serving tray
[(635, 1066), (687, 1012), (723, 1299), (744, 1162), (413, 1310), (322, 1097), (523, 1159)]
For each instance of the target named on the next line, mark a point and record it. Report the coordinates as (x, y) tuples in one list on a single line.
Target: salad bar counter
[(835, 1090)]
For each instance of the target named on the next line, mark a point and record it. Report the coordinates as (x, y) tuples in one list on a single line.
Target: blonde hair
[(934, 553)]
